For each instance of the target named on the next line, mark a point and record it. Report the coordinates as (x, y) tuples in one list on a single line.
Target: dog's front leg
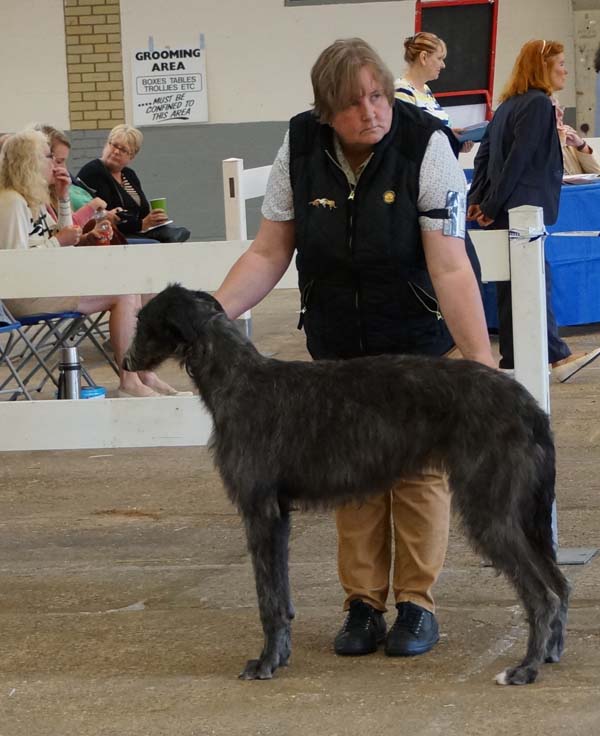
[(268, 544)]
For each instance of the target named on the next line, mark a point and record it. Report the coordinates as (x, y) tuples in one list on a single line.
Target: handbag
[(169, 234)]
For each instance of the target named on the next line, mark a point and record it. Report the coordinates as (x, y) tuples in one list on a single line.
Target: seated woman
[(26, 171), (60, 148), (113, 180), (578, 155)]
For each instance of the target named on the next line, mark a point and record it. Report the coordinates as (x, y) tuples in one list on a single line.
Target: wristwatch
[(582, 147)]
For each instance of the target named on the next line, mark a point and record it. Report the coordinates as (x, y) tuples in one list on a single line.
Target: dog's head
[(169, 325)]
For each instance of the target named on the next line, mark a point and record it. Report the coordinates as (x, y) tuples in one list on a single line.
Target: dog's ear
[(206, 297)]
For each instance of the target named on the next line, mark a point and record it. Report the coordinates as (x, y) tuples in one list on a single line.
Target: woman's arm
[(458, 294), (15, 222), (261, 267)]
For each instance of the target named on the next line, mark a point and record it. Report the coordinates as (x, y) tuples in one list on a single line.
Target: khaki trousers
[(418, 511)]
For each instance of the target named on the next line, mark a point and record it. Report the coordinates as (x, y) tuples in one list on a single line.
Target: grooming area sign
[(169, 85)]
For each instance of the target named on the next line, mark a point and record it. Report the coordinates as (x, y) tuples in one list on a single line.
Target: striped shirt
[(130, 190), (407, 92)]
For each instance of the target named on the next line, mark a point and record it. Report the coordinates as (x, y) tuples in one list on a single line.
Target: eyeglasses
[(120, 149)]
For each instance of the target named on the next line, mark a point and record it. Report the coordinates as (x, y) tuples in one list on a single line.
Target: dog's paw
[(256, 669), (516, 676)]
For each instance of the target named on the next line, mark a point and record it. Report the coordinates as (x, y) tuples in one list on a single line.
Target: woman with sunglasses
[(112, 179)]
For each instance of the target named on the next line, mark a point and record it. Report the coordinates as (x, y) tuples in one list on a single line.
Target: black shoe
[(363, 629), (415, 631)]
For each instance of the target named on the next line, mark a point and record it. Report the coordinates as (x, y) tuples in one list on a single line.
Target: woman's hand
[(113, 216), (97, 203), (466, 146), (571, 136), (62, 181), (474, 213), (484, 220), (69, 235), (100, 235), (154, 218)]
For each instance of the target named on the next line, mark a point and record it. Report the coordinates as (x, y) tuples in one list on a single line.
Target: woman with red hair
[(520, 162)]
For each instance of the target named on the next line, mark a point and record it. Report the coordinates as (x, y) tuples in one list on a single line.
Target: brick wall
[(94, 63)]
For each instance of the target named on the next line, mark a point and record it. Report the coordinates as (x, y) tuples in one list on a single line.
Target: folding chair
[(12, 335), (50, 331)]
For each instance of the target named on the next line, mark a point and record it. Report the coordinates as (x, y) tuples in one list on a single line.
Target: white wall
[(259, 53), (33, 80), (587, 31), (522, 20)]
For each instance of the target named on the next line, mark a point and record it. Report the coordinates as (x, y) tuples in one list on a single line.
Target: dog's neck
[(221, 361)]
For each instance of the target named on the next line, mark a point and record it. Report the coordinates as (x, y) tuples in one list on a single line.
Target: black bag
[(169, 234)]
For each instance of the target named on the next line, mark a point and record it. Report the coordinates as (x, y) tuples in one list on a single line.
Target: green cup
[(158, 203)]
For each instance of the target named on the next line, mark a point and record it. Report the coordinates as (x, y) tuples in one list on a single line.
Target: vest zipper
[(351, 197), (305, 293)]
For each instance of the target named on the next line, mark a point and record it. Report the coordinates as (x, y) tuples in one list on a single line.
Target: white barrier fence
[(144, 269)]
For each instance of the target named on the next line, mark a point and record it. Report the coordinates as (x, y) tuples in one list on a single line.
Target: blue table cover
[(574, 261)]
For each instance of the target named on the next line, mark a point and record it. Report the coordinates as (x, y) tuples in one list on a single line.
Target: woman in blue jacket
[(519, 163)]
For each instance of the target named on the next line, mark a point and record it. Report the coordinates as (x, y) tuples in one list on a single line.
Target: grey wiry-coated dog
[(320, 434)]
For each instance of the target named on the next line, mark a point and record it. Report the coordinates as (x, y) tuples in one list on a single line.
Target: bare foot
[(153, 382), (137, 391)]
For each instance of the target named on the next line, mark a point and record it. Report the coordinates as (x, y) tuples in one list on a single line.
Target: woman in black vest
[(349, 191)]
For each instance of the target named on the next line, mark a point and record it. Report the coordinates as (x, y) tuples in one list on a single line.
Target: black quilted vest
[(362, 273)]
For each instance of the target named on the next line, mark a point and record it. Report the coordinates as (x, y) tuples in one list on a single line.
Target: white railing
[(126, 269)]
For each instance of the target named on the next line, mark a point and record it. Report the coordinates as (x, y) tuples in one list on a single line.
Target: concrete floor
[(127, 604)]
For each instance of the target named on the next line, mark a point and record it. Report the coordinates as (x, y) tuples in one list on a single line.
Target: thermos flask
[(69, 374)]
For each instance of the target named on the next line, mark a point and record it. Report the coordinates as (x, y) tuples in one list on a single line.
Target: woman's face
[(117, 154), (433, 63), (557, 71), (60, 153), (367, 119)]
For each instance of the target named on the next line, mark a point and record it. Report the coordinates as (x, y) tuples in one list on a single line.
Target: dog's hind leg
[(268, 544), (527, 569), (556, 643)]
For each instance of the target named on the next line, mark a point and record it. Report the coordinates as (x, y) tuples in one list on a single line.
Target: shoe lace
[(360, 616), (410, 619)]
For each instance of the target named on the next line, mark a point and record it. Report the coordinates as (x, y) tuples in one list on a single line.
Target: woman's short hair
[(334, 76), (532, 68), (21, 167), (422, 41), (132, 137)]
